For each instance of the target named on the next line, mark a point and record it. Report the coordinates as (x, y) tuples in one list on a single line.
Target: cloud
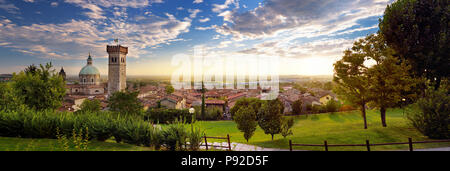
[(220, 7), (280, 15), (204, 20), (193, 12), (73, 39), (10, 8), (197, 1), (205, 28), (54, 4)]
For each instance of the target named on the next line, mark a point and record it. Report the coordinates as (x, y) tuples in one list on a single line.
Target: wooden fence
[(226, 138), (367, 144)]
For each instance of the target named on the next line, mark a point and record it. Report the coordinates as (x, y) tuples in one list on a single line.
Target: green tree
[(245, 119), (169, 89), (270, 115), (286, 125), (39, 88), (350, 78), (388, 77), (431, 114), (297, 106), (125, 102), (419, 32), (90, 106), (8, 101), (254, 103)]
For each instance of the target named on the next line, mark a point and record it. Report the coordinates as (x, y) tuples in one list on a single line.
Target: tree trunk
[(272, 137), (364, 116), (383, 116)]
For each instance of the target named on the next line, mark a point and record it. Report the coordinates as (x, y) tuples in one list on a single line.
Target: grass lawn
[(337, 128), (43, 144)]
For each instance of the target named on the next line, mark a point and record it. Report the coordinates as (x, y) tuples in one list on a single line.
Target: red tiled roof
[(215, 102)]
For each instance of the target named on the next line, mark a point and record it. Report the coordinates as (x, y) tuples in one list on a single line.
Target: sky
[(307, 35)]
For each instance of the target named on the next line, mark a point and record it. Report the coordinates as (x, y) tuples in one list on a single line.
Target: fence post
[(410, 144), (326, 145), (290, 145), (368, 145), (229, 143), (206, 143)]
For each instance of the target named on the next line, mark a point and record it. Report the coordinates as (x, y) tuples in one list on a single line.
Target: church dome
[(89, 70)]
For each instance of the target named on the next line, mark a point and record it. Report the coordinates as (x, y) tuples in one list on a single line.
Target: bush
[(90, 106), (100, 126), (211, 113), (195, 138), (431, 114), (332, 106), (344, 108), (168, 116), (174, 137)]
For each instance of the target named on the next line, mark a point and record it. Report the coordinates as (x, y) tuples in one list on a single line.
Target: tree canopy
[(418, 31), (125, 102), (39, 88)]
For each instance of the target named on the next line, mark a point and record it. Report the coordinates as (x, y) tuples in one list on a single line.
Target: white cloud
[(54, 4), (205, 28), (29, 1), (277, 16), (73, 39), (180, 8), (197, 1), (204, 20), (193, 12), (220, 7)]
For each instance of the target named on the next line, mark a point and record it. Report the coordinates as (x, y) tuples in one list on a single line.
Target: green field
[(43, 144), (337, 128)]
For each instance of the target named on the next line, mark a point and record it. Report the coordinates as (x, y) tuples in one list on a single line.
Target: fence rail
[(226, 138), (367, 144)]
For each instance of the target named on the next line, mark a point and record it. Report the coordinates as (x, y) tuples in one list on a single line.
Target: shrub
[(195, 138), (431, 114), (211, 113), (332, 106), (90, 106), (344, 108), (174, 137), (167, 116)]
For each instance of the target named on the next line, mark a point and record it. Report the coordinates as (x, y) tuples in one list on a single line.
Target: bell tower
[(117, 68)]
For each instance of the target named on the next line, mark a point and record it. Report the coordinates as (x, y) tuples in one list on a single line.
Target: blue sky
[(309, 35)]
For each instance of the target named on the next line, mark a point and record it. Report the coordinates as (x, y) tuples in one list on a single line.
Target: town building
[(5, 77)]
